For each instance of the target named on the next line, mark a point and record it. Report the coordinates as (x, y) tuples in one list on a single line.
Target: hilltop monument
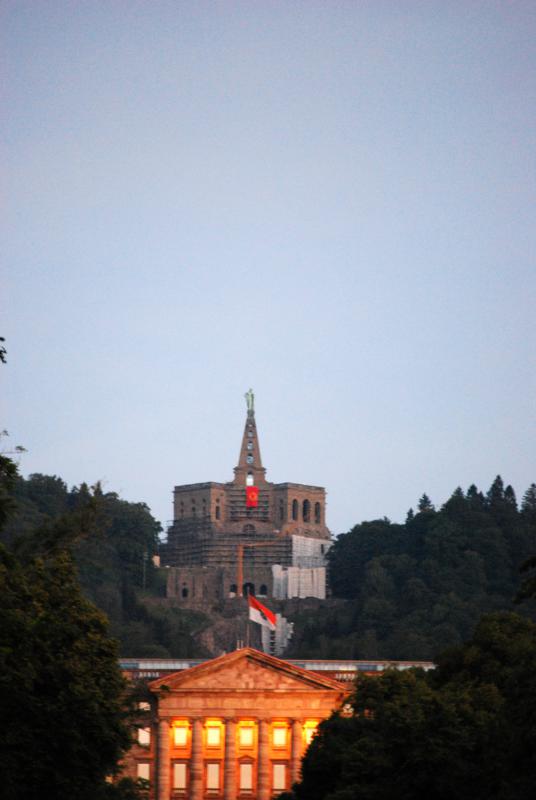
[(247, 536)]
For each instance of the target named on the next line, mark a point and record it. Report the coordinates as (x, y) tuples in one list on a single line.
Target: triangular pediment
[(246, 670)]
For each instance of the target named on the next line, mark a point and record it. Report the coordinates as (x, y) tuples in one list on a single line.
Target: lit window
[(213, 736), (279, 777), (279, 737), (144, 736), (144, 706), (246, 777), (180, 736), (213, 777), (179, 776), (309, 732), (246, 736), (143, 770), (249, 479)]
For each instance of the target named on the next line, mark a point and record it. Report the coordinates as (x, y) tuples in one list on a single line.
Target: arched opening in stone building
[(318, 513), (248, 588), (294, 509), (306, 510)]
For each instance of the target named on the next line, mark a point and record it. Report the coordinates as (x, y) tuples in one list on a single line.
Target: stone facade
[(230, 728), (218, 547)]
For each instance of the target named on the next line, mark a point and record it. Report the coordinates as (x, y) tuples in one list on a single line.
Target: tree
[(425, 504), (465, 730), (64, 724)]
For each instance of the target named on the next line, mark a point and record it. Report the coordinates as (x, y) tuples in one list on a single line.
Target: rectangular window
[(279, 776), (309, 733), (180, 736), (179, 776), (213, 736), (279, 737), (246, 777), (213, 777), (144, 736), (245, 736), (143, 770)]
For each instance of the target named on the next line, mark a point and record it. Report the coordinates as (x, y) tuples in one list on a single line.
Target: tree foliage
[(412, 589), (113, 550), (465, 730), (64, 723)]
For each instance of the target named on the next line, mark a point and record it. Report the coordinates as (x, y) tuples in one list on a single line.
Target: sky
[(330, 202)]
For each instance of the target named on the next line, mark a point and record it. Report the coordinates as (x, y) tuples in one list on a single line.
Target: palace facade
[(231, 728)]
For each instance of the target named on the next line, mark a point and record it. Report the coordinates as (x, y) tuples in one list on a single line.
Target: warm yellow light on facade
[(180, 733), (246, 735), (309, 731), (279, 736), (213, 733)]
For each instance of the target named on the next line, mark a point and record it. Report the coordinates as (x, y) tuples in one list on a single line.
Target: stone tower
[(247, 535)]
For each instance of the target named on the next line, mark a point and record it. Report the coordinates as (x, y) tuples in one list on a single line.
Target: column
[(263, 764), (196, 761), (296, 751), (229, 774), (163, 760)]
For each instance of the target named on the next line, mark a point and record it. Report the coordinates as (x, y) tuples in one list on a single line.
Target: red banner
[(252, 497)]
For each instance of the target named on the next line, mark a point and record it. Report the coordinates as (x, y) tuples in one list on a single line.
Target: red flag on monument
[(252, 496), (261, 614)]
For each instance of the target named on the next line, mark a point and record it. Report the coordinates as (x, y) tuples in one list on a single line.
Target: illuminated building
[(230, 728)]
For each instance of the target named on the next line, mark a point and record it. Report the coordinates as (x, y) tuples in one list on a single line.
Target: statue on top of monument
[(250, 401)]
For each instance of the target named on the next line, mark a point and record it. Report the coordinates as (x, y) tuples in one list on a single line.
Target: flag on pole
[(252, 496), (261, 614)]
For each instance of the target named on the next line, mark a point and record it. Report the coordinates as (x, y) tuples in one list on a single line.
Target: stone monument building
[(247, 535)]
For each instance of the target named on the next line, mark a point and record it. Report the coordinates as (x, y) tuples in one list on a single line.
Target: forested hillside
[(114, 559), (413, 589), (398, 591)]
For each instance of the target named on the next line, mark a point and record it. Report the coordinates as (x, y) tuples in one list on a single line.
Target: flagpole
[(247, 618)]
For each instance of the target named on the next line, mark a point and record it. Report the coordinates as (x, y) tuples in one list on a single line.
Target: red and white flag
[(261, 614)]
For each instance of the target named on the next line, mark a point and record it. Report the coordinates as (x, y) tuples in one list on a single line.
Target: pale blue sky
[(330, 202)]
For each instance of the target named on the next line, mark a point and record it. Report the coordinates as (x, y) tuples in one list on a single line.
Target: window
[(213, 736), (294, 509), (248, 588), (249, 459), (184, 591), (279, 777), (179, 776), (246, 777), (279, 737), (309, 731), (250, 480), (263, 591), (217, 512), (180, 735), (144, 736), (250, 445), (281, 511), (306, 510), (143, 770), (250, 432), (232, 590), (213, 777), (318, 513), (143, 705), (245, 736)]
